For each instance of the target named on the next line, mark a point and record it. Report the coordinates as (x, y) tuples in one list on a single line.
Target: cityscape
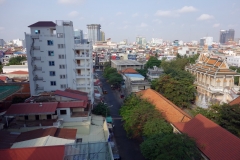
[(108, 81)]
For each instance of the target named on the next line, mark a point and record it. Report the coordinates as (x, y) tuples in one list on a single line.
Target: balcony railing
[(82, 55), (35, 36), (36, 47)]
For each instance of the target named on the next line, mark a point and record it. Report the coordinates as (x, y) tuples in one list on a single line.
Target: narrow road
[(129, 149)]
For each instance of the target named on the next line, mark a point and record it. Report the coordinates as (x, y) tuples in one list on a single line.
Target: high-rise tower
[(94, 33)]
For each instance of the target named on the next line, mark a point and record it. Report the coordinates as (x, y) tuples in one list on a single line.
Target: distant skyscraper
[(102, 36), (206, 41), (141, 40), (94, 32), (226, 36), (157, 41), (2, 42)]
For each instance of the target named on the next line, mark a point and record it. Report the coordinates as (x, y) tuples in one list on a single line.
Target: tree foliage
[(236, 79), (16, 60), (112, 76), (153, 61), (176, 84), (169, 147), (139, 115), (101, 109), (227, 116)]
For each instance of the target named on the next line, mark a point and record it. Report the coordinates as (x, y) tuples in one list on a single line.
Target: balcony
[(82, 46), (36, 58), (35, 68), (86, 65), (82, 56), (36, 78), (83, 85), (82, 76)]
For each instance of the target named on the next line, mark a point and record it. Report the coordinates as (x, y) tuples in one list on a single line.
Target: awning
[(109, 119)]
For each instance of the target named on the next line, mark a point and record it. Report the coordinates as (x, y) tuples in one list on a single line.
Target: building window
[(52, 73), (53, 83), (63, 76), (61, 45), (60, 35), (37, 31), (61, 56), (50, 53), (51, 63), (63, 86), (78, 140), (50, 42), (62, 66), (63, 112)]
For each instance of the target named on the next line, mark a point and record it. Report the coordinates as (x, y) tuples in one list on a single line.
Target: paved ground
[(128, 148)]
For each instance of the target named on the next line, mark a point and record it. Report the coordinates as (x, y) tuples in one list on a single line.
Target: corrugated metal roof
[(214, 141), (71, 95), (32, 108), (73, 104), (43, 141)]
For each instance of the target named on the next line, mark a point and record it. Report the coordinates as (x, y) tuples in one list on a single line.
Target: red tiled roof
[(170, 111), (214, 141), (66, 133), (71, 95), (32, 108), (73, 104), (18, 72), (76, 91), (235, 101), (33, 153), (3, 78), (129, 70), (55, 132), (43, 24), (38, 133)]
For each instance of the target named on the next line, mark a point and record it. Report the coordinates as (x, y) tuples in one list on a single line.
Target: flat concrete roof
[(126, 62)]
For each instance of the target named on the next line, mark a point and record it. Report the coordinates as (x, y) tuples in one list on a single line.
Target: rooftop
[(129, 71), (126, 62), (8, 90), (72, 104), (134, 76), (170, 111), (214, 141), (7, 139), (43, 24), (18, 72), (32, 108), (71, 95)]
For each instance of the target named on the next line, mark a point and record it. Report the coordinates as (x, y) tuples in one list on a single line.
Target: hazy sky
[(125, 19)]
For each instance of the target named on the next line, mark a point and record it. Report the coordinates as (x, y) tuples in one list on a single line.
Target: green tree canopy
[(170, 147), (153, 61), (16, 60), (136, 112), (101, 109)]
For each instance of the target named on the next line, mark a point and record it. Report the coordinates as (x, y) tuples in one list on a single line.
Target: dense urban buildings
[(55, 61)]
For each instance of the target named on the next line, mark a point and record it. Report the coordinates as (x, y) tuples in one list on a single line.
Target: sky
[(170, 20)]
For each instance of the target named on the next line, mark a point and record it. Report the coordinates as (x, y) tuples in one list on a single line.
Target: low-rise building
[(154, 73), (233, 61), (13, 68), (123, 64)]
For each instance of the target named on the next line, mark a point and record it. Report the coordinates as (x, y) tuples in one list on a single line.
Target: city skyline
[(185, 20)]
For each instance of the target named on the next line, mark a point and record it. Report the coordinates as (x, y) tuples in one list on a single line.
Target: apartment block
[(55, 62)]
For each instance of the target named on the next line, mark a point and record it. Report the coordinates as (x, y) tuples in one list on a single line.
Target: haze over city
[(184, 20)]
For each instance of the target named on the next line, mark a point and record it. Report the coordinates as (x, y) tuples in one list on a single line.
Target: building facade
[(78, 36), (102, 36), (226, 35), (214, 80), (94, 33), (55, 61)]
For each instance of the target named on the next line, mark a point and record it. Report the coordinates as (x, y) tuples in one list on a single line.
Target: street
[(129, 149)]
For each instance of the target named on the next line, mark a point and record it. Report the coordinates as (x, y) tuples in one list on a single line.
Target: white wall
[(68, 118)]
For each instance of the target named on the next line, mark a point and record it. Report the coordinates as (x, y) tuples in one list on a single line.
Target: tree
[(101, 109), (153, 61), (136, 112), (18, 100), (107, 71), (156, 126), (170, 146), (16, 60), (115, 78)]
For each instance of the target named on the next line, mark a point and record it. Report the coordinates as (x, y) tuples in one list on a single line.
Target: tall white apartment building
[(94, 33), (55, 62)]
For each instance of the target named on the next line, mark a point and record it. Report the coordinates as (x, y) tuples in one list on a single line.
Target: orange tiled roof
[(235, 101), (18, 72), (170, 111), (129, 70), (214, 141)]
